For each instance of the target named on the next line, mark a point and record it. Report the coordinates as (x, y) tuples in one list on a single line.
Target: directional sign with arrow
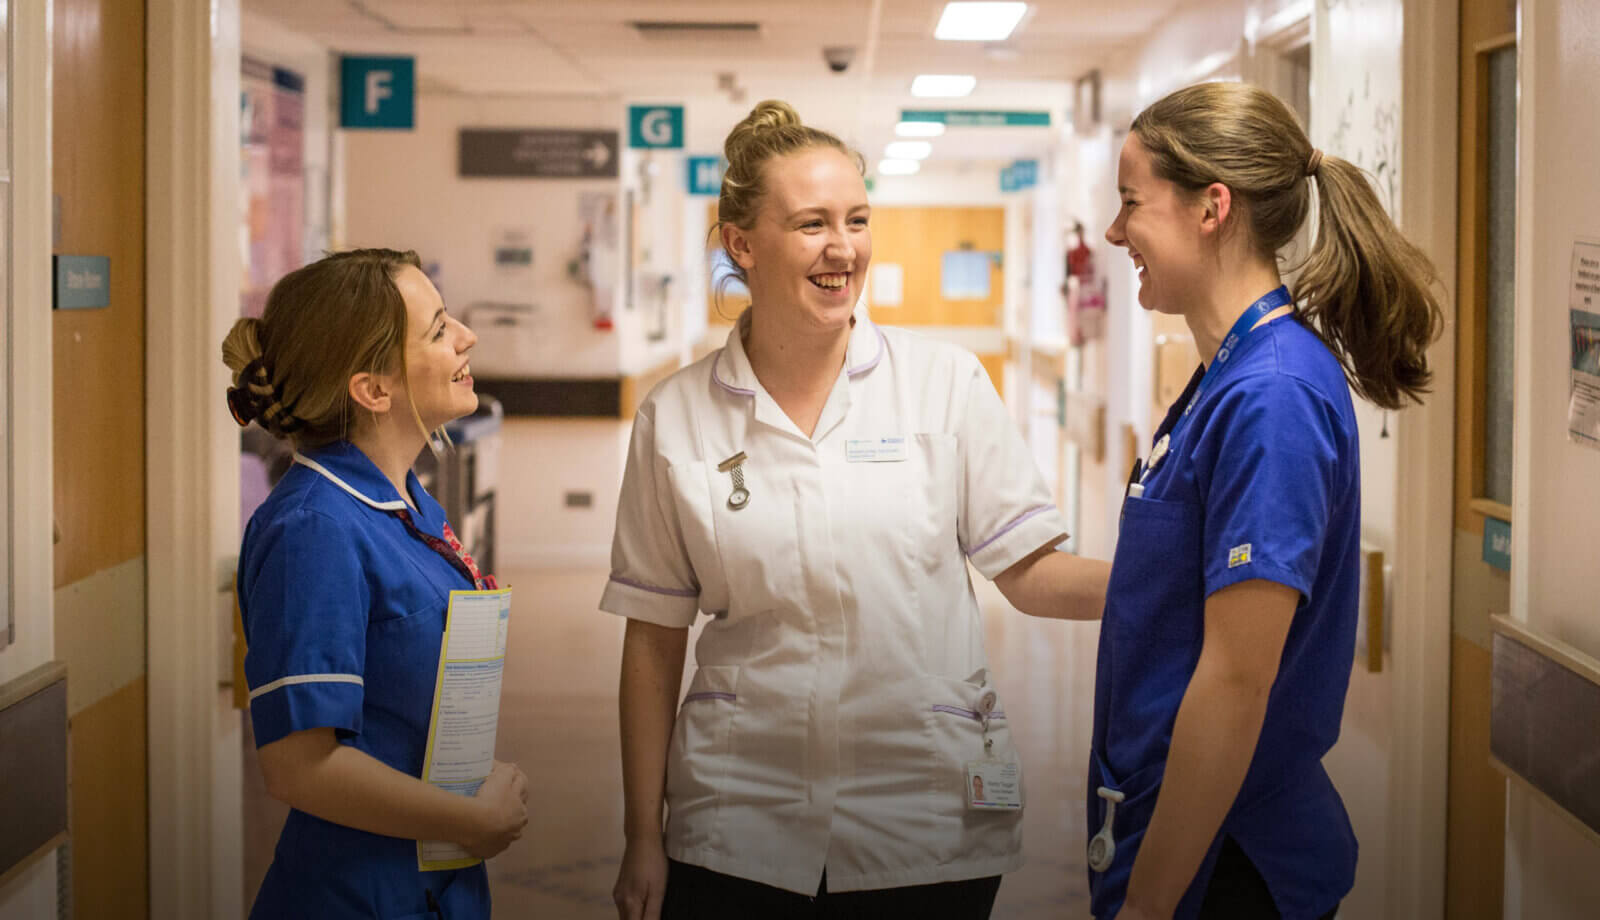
[(538, 153)]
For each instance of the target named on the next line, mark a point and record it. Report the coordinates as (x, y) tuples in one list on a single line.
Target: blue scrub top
[(1261, 482), (344, 613)]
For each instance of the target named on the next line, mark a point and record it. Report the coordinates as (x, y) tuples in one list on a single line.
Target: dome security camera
[(839, 57)]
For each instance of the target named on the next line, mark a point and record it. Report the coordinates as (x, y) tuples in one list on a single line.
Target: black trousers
[(1237, 890), (695, 893)]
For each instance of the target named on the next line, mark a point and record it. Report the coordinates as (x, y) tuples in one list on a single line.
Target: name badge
[(876, 450), (994, 785)]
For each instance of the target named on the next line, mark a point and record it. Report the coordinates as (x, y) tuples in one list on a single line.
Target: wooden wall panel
[(99, 137), (916, 239), (108, 827)]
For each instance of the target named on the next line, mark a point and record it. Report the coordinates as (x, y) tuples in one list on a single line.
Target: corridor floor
[(559, 722)]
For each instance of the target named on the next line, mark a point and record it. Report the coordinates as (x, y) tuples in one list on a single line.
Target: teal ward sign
[(978, 118)]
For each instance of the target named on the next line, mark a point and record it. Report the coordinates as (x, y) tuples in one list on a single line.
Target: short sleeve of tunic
[(1006, 510), (305, 601), (1268, 463), (651, 576)]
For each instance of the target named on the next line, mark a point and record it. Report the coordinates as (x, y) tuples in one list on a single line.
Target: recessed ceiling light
[(908, 150), (898, 167), (919, 128), (979, 22), (935, 84)]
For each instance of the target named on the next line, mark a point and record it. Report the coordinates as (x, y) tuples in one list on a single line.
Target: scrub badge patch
[(1239, 555)]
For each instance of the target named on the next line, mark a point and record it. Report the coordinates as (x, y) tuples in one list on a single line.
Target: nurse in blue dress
[(1229, 626), (344, 579)]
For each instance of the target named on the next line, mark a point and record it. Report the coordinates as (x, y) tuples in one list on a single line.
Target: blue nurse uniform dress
[(1261, 481), (344, 612)]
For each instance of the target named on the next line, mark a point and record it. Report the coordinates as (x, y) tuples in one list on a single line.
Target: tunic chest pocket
[(747, 558), (910, 504), (1157, 585)]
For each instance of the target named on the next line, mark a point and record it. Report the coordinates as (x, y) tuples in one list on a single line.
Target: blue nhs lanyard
[(1242, 328)]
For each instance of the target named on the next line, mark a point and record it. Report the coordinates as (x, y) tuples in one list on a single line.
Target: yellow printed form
[(466, 707)]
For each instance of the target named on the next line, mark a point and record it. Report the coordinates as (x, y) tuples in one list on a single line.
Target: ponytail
[(1369, 291)]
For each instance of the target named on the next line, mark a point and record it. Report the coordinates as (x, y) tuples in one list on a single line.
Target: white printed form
[(466, 707)]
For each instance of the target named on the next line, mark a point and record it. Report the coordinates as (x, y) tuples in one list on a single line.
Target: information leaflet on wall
[(466, 708), (1583, 407)]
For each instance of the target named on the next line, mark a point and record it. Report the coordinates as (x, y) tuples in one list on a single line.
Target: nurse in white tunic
[(817, 487)]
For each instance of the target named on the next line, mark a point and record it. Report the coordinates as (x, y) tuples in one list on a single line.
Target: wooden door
[(98, 120), (1475, 847)]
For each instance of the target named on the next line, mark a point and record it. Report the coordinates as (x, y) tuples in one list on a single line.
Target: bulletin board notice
[(1583, 308)]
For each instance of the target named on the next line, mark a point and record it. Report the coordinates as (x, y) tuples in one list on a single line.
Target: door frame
[(192, 455), (1424, 519)]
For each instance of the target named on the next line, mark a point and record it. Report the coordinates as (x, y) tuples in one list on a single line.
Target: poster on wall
[(272, 139), (1583, 407)]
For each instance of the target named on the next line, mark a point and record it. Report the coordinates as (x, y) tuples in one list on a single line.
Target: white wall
[(402, 190), (541, 461), (1552, 871), (33, 892)]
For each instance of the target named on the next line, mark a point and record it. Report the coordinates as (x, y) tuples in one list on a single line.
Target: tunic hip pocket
[(698, 761)]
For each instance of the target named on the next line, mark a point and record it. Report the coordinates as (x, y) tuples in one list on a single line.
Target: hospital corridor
[(664, 459)]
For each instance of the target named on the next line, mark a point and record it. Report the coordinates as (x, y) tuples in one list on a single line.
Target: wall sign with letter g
[(377, 92), (655, 126)]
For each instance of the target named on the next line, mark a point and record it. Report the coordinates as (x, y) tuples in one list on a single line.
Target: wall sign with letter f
[(377, 92)]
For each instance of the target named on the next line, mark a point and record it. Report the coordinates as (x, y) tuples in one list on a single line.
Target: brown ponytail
[(1364, 288)]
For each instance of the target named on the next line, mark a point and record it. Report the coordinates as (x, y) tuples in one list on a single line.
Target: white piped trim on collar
[(396, 505)]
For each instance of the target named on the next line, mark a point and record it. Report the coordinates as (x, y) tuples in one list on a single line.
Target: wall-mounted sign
[(1021, 174), (655, 127), (82, 282), (377, 92), (705, 175), (1497, 543), (977, 118), (538, 153)]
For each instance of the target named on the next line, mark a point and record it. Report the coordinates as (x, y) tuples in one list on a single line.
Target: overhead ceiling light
[(934, 84), (908, 150), (919, 128), (898, 167), (979, 22)]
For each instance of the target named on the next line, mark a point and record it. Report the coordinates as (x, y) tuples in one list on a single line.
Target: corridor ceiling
[(759, 49)]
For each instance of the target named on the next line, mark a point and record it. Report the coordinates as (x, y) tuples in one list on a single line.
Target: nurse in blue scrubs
[(1230, 621), (344, 579)]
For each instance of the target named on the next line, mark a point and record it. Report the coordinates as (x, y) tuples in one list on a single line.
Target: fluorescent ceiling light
[(898, 167), (919, 128), (979, 22), (908, 150), (934, 84)]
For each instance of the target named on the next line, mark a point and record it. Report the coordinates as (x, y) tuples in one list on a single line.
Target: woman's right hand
[(502, 803), (642, 881)]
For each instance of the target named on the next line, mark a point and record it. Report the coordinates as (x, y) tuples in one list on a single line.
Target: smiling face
[(1161, 227), (807, 253), (438, 377)]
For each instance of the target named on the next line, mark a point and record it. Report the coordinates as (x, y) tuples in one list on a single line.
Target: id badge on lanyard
[(1242, 328), (993, 783)]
